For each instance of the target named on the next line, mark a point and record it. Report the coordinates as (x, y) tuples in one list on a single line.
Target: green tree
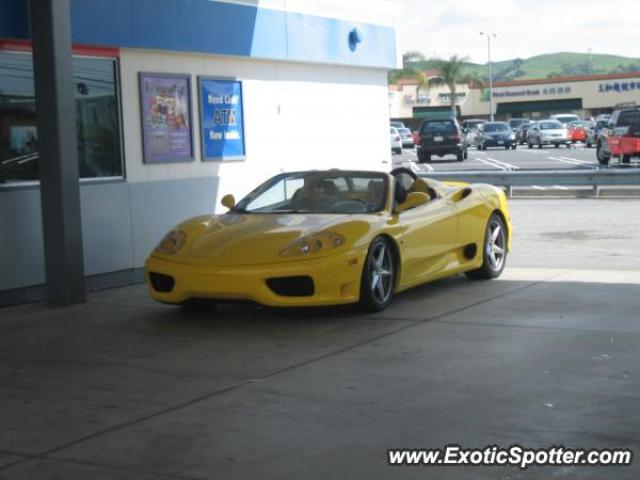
[(453, 72)]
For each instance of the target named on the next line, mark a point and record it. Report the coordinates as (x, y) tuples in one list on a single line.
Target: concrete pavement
[(122, 387)]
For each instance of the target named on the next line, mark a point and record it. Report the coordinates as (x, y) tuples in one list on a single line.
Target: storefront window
[(97, 120)]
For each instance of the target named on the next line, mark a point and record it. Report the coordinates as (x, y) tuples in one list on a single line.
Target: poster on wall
[(221, 119), (166, 117)]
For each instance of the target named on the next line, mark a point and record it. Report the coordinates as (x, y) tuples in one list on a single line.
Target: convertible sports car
[(333, 237)]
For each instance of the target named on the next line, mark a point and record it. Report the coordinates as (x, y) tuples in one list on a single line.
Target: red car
[(577, 132)]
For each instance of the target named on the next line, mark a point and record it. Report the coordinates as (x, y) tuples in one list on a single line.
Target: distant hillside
[(545, 66)]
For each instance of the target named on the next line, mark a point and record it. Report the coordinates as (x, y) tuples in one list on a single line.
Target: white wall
[(297, 116)]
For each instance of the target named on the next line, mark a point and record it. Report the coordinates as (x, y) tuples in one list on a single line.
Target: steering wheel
[(403, 184), (349, 206)]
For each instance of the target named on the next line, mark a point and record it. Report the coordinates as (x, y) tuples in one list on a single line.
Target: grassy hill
[(545, 66)]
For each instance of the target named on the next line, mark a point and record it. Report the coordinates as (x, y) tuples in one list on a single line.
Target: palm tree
[(452, 73)]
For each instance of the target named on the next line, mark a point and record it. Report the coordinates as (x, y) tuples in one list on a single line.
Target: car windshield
[(495, 127), (318, 192), (473, 124), (518, 121), (439, 127), (404, 131), (550, 126)]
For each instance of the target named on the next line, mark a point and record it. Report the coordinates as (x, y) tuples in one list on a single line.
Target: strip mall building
[(586, 96)]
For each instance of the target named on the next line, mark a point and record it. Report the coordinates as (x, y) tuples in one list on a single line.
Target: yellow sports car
[(333, 237)]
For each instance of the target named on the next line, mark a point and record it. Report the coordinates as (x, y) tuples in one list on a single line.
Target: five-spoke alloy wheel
[(378, 276), (494, 251)]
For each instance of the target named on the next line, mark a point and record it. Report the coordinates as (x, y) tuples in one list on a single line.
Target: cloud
[(525, 28)]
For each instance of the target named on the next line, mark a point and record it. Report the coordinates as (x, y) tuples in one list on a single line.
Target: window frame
[(16, 185)]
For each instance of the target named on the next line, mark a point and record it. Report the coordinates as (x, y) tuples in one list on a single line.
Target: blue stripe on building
[(204, 26)]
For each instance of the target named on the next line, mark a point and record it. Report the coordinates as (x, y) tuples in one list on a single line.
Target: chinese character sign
[(222, 123), (166, 118)]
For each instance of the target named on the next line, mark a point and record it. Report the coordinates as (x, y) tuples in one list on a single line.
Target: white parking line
[(573, 161), (491, 164), (579, 161), (537, 187), (508, 166), (560, 187)]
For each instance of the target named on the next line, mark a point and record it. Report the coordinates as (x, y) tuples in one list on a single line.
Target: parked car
[(396, 124), (548, 132), (407, 137), (621, 137), (374, 232), (565, 118), (396, 140), (471, 134), (578, 131), (495, 134), (521, 132), (441, 137), (472, 124), (594, 131), (514, 123)]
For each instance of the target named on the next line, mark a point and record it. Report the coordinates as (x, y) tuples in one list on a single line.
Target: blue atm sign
[(221, 119)]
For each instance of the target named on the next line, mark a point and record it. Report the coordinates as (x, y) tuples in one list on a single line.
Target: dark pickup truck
[(621, 137)]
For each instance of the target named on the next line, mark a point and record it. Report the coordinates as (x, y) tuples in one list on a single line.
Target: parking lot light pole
[(489, 35)]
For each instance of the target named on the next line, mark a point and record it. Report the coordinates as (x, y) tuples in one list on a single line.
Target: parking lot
[(577, 157), (123, 387)]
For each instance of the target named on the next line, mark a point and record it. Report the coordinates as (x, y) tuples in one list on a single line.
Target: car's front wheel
[(494, 250), (378, 276)]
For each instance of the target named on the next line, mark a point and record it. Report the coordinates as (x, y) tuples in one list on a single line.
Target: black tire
[(556, 145), (603, 158), (539, 144), (397, 151), (378, 276), (490, 269), (465, 154), (626, 158), (514, 147), (568, 145), (479, 147), (588, 145), (427, 158), (529, 145), (507, 147), (460, 156)]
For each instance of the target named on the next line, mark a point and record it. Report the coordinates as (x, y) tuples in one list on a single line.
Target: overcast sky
[(524, 27)]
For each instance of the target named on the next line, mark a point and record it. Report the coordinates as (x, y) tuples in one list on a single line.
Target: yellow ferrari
[(333, 237)]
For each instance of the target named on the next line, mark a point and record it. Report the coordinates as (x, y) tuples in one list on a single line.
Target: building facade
[(181, 101), (586, 96)]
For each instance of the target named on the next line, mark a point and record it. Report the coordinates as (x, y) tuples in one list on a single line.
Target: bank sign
[(221, 119)]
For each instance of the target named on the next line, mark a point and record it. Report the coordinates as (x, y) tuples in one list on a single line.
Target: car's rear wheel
[(494, 251), (529, 145), (378, 276)]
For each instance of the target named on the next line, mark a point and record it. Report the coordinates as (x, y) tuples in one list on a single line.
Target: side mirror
[(228, 201), (414, 199)]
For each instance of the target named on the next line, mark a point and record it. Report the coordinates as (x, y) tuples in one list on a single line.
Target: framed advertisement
[(221, 119), (165, 106)]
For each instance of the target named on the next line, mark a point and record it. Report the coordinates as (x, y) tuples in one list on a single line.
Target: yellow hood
[(246, 239)]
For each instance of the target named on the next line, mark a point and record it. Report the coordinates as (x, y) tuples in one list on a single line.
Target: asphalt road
[(548, 354), (577, 157)]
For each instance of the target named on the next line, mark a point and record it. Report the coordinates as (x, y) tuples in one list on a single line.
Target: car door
[(428, 237)]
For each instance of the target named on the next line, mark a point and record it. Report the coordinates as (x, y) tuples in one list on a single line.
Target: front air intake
[(161, 282), (299, 286)]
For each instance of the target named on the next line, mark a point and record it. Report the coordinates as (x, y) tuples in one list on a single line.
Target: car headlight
[(171, 243), (312, 244)]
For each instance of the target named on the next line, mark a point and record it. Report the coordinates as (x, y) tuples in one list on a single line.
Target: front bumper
[(493, 142), (336, 280)]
